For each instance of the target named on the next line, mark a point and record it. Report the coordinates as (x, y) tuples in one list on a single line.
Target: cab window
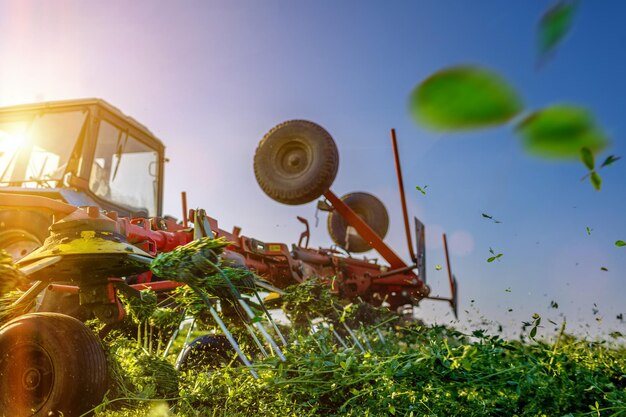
[(125, 170)]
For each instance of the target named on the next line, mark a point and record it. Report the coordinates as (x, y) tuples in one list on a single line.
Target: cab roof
[(78, 103)]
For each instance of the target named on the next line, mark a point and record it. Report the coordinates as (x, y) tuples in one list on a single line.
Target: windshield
[(125, 170), (35, 148)]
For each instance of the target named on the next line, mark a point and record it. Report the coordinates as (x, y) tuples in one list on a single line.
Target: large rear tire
[(50, 365), (296, 162), (368, 208)]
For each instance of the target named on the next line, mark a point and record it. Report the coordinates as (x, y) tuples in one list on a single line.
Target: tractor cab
[(82, 152)]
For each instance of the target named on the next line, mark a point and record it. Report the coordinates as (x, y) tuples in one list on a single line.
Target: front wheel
[(50, 365)]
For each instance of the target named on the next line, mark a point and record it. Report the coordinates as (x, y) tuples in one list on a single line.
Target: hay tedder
[(80, 213)]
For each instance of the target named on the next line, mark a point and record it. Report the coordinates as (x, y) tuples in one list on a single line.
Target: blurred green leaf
[(610, 160), (589, 230), (596, 181), (494, 257), (587, 157), (422, 189), (620, 243), (464, 97), (533, 332), (605, 269), (554, 25), (561, 131)]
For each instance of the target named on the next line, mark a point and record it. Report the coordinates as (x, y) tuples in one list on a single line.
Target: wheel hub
[(31, 379), (294, 159), (29, 374), (18, 243)]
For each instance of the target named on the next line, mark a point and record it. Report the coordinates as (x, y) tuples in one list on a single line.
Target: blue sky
[(210, 78)]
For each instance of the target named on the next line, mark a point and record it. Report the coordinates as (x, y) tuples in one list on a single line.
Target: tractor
[(81, 213)]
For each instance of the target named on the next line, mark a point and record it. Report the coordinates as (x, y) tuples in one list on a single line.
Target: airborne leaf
[(587, 157), (610, 160), (462, 98), (554, 25), (561, 131), (620, 243), (421, 189), (596, 181)]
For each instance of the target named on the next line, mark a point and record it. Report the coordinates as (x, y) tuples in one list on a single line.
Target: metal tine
[(366, 339), (175, 334), (331, 328), (227, 333), (256, 340), (186, 342), (271, 320), (339, 338), (260, 327), (206, 231), (380, 335), (354, 338)]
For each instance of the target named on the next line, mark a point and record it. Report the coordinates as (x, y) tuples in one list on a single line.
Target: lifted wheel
[(367, 207), (296, 162), (50, 365)]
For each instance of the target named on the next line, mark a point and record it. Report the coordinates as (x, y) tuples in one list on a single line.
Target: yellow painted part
[(87, 244), (274, 248), (273, 296)]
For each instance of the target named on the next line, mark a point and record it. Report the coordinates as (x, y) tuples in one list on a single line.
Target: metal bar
[(184, 201), (445, 247), (268, 287), (396, 157), (439, 298), (29, 295), (157, 285), (395, 271), (365, 231), (39, 265), (70, 289)]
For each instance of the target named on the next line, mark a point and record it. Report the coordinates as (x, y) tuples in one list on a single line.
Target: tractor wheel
[(22, 231), (368, 208), (205, 353), (50, 365), (296, 162)]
